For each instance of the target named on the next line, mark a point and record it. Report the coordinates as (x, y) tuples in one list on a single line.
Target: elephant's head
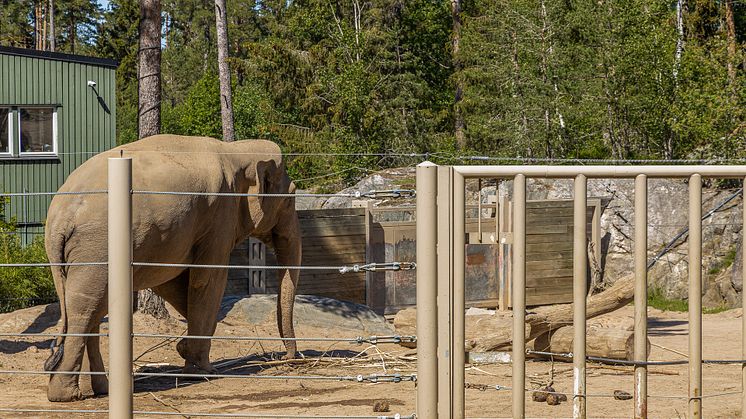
[(275, 221), (262, 170)]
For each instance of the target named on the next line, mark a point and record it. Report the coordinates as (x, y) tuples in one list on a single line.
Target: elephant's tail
[(55, 246)]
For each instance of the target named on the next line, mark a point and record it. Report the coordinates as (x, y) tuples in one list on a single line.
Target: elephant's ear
[(265, 172)]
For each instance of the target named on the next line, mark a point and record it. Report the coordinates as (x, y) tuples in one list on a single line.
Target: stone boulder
[(310, 310)]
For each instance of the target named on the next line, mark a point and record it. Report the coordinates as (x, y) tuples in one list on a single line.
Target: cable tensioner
[(377, 267), (391, 193)]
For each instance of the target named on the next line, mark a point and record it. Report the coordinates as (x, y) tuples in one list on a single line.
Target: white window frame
[(31, 154), (9, 153)]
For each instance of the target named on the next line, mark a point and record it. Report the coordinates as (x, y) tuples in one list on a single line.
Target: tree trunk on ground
[(605, 342), (149, 69), (226, 101), (456, 41), (541, 320), (149, 112)]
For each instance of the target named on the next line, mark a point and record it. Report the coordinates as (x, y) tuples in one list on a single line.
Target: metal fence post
[(743, 302), (120, 288), (445, 291), (427, 291), (519, 296), (459, 303), (695, 296), (641, 295), (580, 281)]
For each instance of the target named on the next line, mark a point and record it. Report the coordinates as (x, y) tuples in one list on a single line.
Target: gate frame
[(450, 264)]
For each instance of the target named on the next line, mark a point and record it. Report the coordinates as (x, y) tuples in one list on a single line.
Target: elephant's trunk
[(287, 242)]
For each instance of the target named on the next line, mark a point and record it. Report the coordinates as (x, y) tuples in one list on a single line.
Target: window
[(5, 131), (37, 131), (28, 131)]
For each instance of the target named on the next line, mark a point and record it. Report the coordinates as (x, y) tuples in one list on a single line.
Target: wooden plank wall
[(549, 252), (330, 238)]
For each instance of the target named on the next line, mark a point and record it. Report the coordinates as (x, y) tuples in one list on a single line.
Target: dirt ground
[(668, 335)]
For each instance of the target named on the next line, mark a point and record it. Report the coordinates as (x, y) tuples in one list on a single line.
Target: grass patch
[(724, 263), (656, 299)]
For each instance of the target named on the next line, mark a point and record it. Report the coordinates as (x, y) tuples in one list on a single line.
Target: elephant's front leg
[(287, 243), (206, 287)]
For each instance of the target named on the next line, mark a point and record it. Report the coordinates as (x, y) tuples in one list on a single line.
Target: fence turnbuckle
[(376, 267)]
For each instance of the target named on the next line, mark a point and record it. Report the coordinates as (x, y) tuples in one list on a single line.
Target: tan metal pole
[(743, 302), (459, 305), (641, 295), (427, 291), (120, 288), (580, 283), (519, 296), (479, 210), (695, 296), (445, 291), (600, 171)]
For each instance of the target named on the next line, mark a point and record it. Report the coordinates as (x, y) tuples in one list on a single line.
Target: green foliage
[(22, 287), (657, 299), (581, 80)]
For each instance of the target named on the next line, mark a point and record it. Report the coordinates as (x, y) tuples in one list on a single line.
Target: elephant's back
[(159, 163)]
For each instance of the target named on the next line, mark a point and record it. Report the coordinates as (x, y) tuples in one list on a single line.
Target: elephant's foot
[(291, 350), (99, 385), (193, 362), (205, 369), (64, 393)]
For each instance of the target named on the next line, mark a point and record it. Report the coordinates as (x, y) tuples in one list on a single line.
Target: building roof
[(58, 56)]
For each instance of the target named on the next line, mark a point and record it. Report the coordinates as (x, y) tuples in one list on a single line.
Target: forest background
[(384, 79)]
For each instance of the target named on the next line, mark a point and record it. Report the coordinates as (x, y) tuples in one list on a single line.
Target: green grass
[(724, 263), (656, 299)]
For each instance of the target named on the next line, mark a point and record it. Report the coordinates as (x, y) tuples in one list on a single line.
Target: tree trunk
[(456, 41), (149, 111), (149, 302), (730, 25), (544, 319), (605, 342), (52, 37), (149, 70), (226, 101)]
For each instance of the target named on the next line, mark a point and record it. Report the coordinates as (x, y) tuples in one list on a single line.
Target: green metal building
[(56, 111)]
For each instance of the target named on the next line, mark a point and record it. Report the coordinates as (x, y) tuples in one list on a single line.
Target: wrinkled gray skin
[(171, 229)]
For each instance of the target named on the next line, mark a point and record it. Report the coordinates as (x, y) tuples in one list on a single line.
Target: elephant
[(176, 229)]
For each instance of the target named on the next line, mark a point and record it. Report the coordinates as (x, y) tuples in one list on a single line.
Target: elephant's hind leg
[(99, 383), (206, 287), (85, 295)]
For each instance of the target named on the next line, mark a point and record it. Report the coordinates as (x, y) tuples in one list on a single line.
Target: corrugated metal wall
[(85, 128)]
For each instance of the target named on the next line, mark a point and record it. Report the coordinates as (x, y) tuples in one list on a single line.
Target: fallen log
[(605, 342), (541, 320)]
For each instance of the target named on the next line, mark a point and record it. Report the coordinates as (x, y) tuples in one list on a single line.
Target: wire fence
[(358, 378), (373, 340)]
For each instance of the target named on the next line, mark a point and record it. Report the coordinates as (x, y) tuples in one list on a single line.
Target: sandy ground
[(722, 340)]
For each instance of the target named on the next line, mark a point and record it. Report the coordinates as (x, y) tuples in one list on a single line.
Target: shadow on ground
[(234, 366)]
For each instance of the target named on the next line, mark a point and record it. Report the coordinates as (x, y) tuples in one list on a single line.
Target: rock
[(542, 395), (554, 399), (737, 273), (381, 406), (622, 395), (667, 217), (310, 311)]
